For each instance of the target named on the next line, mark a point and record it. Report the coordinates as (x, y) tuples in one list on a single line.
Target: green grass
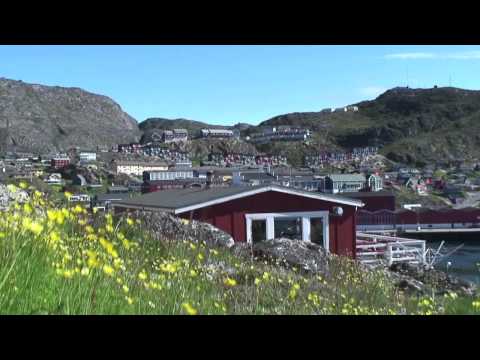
[(67, 261)]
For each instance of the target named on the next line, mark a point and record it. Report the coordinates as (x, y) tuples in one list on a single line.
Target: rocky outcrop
[(166, 227), (416, 279), (38, 118), (302, 255), (9, 195)]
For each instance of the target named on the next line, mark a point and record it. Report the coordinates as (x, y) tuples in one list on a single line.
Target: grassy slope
[(56, 263)]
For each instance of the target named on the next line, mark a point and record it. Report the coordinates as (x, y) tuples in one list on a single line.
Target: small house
[(339, 183), (253, 214), (374, 183)]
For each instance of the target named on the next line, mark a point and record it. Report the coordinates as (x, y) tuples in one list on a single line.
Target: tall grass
[(62, 260)]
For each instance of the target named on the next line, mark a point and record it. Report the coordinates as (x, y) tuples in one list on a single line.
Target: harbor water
[(465, 261)]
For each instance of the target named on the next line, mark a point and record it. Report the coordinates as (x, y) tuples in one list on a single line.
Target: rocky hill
[(42, 118), (410, 125)]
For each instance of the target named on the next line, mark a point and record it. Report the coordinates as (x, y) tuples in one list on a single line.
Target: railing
[(389, 249)]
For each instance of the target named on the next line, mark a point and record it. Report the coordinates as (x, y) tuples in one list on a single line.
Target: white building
[(281, 133), (79, 198), (172, 174), (137, 167), (217, 133), (375, 182), (55, 179), (88, 156), (175, 135)]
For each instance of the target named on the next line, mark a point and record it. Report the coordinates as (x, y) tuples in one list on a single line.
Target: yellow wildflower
[(91, 237), (89, 229), (23, 185), (125, 288), (293, 291), (27, 208), (129, 300), (92, 259), (107, 269), (68, 195), (168, 267), (77, 209), (68, 274), (230, 282), (189, 309), (129, 221), (127, 244), (142, 275), (54, 237), (85, 271)]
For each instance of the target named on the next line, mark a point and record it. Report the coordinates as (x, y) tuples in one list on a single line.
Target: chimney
[(209, 180)]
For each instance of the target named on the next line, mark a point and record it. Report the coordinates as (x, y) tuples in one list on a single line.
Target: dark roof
[(367, 194), (257, 176), (347, 177), (112, 197), (177, 200), (117, 188)]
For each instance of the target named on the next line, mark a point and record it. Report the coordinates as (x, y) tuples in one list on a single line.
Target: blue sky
[(230, 84)]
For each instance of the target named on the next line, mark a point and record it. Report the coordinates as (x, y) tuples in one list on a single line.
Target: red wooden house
[(257, 213)]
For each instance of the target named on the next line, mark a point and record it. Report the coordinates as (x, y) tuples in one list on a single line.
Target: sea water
[(465, 261)]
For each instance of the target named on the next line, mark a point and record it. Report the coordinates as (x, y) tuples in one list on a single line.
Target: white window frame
[(306, 226)]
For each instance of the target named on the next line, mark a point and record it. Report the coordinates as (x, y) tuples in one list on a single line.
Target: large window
[(316, 230), (286, 227), (259, 230), (303, 226)]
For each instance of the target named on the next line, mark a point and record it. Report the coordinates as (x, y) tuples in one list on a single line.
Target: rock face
[(300, 254), (37, 118), (415, 279), (163, 226), (8, 196)]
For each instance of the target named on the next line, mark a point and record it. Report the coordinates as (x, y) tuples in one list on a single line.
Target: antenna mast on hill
[(407, 76)]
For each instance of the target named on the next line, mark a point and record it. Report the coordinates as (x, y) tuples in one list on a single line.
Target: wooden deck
[(381, 249)]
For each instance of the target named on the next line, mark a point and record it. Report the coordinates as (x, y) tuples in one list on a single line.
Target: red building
[(252, 214), (413, 219), (374, 200), (60, 162)]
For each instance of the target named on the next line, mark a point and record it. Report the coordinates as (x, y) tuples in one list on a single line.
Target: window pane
[(290, 228), (316, 231), (259, 230)]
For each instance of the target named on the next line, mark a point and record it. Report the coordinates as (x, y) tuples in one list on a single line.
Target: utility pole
[(407, 76)]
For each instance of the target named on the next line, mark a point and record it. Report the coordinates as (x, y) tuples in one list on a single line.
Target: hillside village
[(254, 191), (162, 164), (359, 187)]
